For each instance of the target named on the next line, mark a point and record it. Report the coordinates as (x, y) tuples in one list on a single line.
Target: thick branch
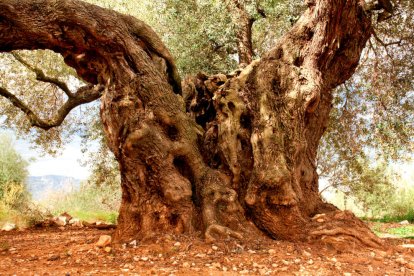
[(84, 95), (244, 22)]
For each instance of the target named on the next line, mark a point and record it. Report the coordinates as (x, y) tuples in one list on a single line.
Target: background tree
[(13, 173)]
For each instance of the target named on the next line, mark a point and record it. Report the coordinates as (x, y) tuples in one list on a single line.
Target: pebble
[(103, 241), (8, 227), (186, 265), (108, 249), (215, 248), (177, 244), (271, 251), (307, 254), (53, 257)]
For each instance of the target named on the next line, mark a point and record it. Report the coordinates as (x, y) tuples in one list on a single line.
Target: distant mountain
[(43, 186)]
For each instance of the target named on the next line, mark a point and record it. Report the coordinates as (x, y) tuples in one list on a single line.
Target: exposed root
[(365, 237), (342, 229), (216, 231)]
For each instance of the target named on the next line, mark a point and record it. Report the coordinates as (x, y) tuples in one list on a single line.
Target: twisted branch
[(85, 94)]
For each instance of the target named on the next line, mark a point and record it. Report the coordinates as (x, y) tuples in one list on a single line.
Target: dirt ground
[(72, 251)]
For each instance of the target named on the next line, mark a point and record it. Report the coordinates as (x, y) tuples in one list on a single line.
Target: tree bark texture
[(244, 23), (235, 154)]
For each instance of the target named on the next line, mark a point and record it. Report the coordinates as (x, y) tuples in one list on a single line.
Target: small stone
[(297, 261), (8, 227), (334, 260), (108, 249), (103, 241), (372, 254), (275, 265), (216, 265), (401, 261), (53, 257), (76, 223), (215, 248), (245, 271), (61, 220), (271, 251), (318, 216), (144, 259), (404, 222), (262, 271), (133, 243), (320, 220), (310, 262), (251, 251), (186, 265), (306, 253), (177, 244), (408, 245), (285, 262), (347, 274)]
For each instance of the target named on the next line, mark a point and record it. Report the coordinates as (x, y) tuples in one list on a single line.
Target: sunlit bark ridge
[(235, 154)]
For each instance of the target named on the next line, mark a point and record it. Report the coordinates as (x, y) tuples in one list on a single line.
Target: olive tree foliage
[(373, 119), (202, 36)]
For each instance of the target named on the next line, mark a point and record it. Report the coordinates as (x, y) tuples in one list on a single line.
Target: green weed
[(403, 231)]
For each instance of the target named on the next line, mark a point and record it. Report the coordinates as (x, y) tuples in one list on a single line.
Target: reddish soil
[(72, 251)]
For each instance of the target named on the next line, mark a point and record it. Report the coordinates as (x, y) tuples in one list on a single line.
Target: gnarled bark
[(234, 155)]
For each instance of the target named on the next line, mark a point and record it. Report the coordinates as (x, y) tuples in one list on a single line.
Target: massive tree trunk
[(235, 154)]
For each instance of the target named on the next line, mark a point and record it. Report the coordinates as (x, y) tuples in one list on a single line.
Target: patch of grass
[(397, 218), (90, 203), (403, 231), (92, 216), (376, 228)]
